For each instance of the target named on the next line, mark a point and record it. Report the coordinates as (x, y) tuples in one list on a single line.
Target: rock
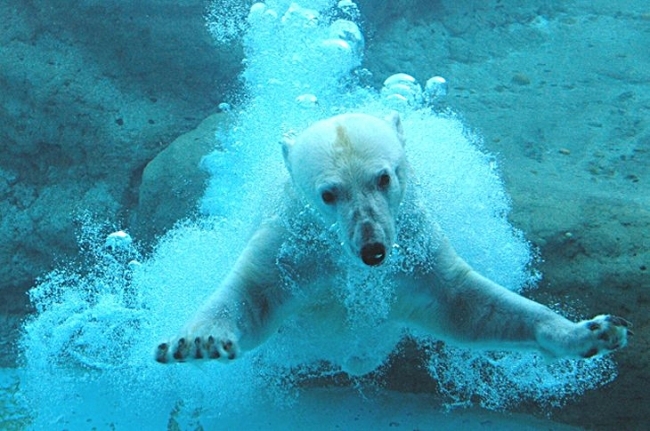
[(172, 183), (87, 100)]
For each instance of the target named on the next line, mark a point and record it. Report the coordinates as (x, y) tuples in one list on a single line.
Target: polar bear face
[(352, 169)]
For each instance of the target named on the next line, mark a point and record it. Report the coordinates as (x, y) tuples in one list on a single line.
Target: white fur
[(349, 210)]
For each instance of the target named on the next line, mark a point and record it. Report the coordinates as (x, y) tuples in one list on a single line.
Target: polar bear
[(350, 178)]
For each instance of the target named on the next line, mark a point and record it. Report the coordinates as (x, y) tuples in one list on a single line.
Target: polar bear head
[(352, 169)]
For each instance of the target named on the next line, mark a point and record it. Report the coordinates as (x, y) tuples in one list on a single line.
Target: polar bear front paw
[(196, 348), (606, 333)]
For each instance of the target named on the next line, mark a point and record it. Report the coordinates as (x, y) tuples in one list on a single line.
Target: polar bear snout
[(368, 238), (373, 254)]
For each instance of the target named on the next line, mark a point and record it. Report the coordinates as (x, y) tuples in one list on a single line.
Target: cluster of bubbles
[(402, 91), (302, 64), (98, 320), (510, 379)]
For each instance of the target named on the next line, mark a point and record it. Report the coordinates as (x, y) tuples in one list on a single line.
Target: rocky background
[(99, 99)]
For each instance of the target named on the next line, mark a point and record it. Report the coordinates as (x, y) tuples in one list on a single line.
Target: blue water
[(87, 354)]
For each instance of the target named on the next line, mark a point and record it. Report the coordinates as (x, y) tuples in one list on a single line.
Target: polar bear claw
[(200, 348), (607, 333)]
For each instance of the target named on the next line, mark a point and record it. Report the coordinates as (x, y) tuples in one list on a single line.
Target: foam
[(88, 351)]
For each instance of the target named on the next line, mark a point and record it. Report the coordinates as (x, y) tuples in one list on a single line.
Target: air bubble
[(307, 100), (299, 16), (259, 14), (401, 90), (336, 46), (349, 8), (396, 101), (348, 32), (257, 10), (400, 78), (435, 89), (119, 240)]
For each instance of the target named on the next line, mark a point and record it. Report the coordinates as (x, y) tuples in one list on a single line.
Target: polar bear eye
[(383, 181), (328, 197)]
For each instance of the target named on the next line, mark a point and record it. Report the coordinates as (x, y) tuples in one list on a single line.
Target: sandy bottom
[(318, 409), (345, 409)]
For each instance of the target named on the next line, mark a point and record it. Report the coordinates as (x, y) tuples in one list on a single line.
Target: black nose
[(373, 254)]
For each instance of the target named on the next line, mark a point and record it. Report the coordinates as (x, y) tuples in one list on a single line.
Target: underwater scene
[(148, 148)]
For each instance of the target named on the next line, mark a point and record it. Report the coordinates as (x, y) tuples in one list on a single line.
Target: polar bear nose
[(373, 254)]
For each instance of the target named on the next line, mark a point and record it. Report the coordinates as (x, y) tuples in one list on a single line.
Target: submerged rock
[(172, 183), (88, 98)]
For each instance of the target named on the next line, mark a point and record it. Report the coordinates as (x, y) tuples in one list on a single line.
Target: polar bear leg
[(457, 304), (244, 310), (487, 315)]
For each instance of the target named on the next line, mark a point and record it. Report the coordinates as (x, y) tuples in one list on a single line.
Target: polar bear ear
[(287, 142), (396, 122)]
